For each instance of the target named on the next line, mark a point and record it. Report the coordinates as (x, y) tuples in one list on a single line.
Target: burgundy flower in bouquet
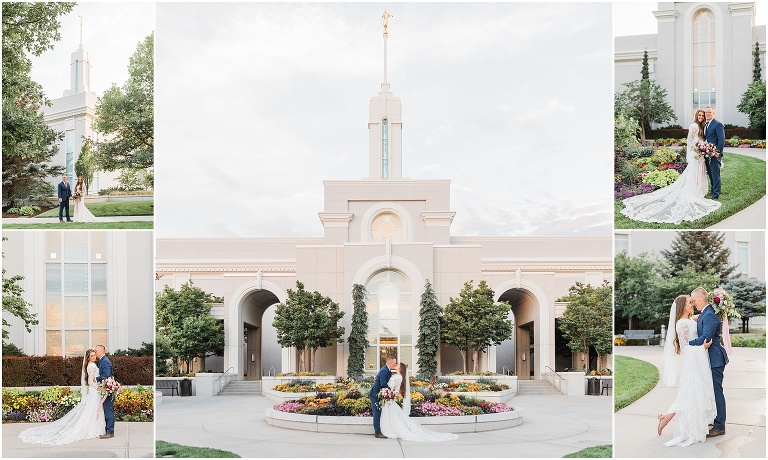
[(386, 395), (704, 150), (109, 387)]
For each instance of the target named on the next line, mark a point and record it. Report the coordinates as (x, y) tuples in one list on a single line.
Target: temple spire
[(385, 20), (81, 31)]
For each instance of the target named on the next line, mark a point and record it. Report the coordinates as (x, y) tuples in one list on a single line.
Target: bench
[(172, 385), (606, 385), (646, 334)]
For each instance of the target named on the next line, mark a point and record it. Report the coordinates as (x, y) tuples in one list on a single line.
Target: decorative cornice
[(635, 55), (666, 15), (546, 268), (438, 218), (335, 219), (741, 9)]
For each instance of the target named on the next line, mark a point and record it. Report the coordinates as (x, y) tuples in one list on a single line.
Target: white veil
[(407, 397), (672, 360), (83, 374)]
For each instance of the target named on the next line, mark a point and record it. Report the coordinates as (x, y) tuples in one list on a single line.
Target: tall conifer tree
[(358, 340), (701, 251), (429, 332)]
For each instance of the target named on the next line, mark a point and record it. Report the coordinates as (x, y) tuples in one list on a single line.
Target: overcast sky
[(257, 104), (111, 32)]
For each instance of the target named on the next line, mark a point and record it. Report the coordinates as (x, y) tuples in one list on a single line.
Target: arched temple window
[(387, 225), (390, 316), (385, 149), (704, 59)]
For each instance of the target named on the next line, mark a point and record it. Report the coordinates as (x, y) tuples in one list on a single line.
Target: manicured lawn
[(633, 379), (123, 208), (167, 449), (743, 183), (82, 225), (605, 451)]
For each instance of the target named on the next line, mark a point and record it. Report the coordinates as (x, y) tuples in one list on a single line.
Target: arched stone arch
[(541, 324), (234, 320)]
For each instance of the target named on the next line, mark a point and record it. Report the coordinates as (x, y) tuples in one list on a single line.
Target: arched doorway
[(250, 339), (521, 353), (390, 307)]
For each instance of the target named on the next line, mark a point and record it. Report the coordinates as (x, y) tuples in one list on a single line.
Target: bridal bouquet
[(109, 387), (386, 395), (704, 149), (723, 303)]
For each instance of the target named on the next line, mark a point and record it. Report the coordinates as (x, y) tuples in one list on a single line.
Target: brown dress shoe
[(107, 436), (713, 432), (380, 436)]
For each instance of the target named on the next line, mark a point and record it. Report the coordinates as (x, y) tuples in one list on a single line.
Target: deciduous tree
[(28, 143), (646, 101), (126, 115), (473, 322), (586, 321)]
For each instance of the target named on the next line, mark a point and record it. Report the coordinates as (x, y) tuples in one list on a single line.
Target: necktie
[(706, 126)]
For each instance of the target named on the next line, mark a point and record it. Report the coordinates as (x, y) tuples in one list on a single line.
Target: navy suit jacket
[(710, 327), (715, 134), (65, 191), (381, 380), (105, 368)]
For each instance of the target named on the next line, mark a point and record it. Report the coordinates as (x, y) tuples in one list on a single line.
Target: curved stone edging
[(364, 425)]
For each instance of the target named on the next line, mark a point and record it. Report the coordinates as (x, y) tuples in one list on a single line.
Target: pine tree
[(701, 251), (757, 71), (429, 333), (645, 74), (748, 298), (358, 340)]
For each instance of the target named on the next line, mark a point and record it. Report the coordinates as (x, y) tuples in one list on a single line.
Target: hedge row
[(33, 371), (677, 133)]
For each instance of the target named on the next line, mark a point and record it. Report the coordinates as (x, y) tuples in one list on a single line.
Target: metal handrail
[(269, 372), (506, 371), (553, 371), (225, 373)]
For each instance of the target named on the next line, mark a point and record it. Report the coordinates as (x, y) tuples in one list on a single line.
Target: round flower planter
[(364, 425)]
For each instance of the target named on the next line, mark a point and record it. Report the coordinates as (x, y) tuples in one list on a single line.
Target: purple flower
[(624, 191)]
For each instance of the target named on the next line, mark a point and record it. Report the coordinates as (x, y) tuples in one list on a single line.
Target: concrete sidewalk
[(55, 220), (132, 439), (744, 387), (552, 426), (753, 216)]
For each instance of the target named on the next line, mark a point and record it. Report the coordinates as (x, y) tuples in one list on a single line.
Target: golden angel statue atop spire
[(385, 19)]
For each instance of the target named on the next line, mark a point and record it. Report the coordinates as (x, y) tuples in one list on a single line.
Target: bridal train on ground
[(679, 201), (396, 423)]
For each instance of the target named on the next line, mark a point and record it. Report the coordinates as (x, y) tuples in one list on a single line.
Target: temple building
[(391, 234)]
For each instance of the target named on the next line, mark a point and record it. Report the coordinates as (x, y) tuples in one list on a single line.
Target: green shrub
[(29, 210), (734, 141), (661, 178), (748, 342), (663, 155), (13, 211)]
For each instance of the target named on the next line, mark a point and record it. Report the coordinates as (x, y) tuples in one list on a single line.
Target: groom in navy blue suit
[(64, 192), (710, 327), (714, 133), (105, 371), (381, 381)]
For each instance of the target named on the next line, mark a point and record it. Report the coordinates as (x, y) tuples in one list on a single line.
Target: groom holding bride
[(697, 358)]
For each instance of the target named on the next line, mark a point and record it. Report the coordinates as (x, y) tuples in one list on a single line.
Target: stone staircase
[(536, 387), (242, 388)]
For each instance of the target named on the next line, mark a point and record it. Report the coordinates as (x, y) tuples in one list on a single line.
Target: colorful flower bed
[(306, 386), (303, 374), (429, 399), (52, 403), (449, 385)]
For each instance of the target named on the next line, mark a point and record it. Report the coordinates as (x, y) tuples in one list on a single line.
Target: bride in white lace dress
[(82, 213), (84, 421), (396, 421), (684, 198), (694, 408)]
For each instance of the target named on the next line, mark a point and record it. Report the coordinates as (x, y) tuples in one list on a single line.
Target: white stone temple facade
[(73, 114), (391, 234), (702, 55)]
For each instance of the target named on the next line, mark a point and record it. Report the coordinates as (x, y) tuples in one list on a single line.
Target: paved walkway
[(131, 440), (55, 220), (752, 217), (552, 426), (744, 388)]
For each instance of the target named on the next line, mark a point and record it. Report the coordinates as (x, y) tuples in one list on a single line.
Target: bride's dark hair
[(86, 360), (402, 371), (680, 302), (700, 123)]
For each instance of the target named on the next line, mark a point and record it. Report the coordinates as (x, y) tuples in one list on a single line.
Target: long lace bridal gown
[(679, 201), (84, 421), (694, 407), (82, 213), (396, 423)]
